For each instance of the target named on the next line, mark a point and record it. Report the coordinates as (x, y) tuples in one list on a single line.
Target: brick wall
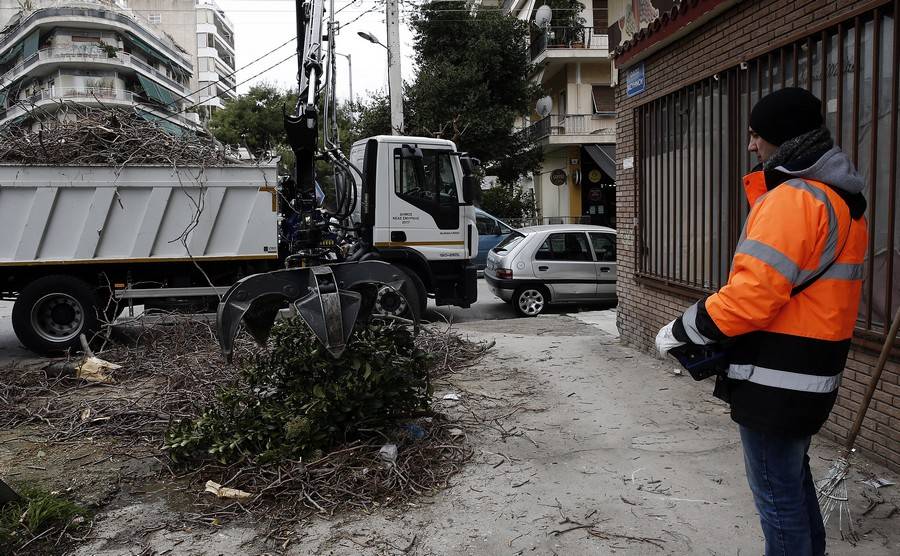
[(749, 27)]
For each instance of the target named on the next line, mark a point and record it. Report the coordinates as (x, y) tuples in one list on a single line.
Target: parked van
[(491, 231)]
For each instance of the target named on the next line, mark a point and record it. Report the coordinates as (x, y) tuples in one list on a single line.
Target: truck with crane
[(78, 240)]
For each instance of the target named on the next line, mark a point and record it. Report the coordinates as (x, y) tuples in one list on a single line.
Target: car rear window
[(510, 241)]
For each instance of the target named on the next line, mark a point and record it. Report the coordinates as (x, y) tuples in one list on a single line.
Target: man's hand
[(665, 339)]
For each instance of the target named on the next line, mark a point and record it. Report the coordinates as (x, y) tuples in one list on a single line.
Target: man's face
[(763, 149)]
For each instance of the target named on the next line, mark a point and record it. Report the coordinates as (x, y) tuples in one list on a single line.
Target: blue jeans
[(785, 496)]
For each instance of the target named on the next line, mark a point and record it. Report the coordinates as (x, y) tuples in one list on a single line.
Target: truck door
[(426, 215)]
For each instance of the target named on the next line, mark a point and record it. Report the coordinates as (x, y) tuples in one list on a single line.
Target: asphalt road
[(488, 307)]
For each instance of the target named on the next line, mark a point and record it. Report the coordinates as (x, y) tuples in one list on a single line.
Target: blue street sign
[(635, 80)]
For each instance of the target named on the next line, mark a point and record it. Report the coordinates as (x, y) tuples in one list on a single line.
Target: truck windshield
[(438, 195), (440, 182)]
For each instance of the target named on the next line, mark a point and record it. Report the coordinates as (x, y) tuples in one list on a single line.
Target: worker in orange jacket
[(788, 310)]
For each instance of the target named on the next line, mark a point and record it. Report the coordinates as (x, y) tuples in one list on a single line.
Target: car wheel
[(52, 312), (530, 301)]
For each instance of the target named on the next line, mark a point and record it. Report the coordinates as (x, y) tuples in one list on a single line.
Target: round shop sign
[(595, 176), (558, 177)]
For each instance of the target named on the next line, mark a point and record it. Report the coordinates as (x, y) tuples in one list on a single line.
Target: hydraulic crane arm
[(302, 126)]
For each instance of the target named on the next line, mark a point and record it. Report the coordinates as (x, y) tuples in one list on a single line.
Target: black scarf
[(802, 147)]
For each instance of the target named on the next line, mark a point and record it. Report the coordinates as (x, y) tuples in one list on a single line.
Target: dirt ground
[(582, 446)]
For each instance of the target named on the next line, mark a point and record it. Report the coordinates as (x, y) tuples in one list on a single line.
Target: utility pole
[(395, 80)]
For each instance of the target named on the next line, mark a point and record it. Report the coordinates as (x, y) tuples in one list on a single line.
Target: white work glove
[(665, 339)]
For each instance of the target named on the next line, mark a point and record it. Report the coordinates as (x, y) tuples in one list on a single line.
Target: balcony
[(573, 128), (90, 95), (88, 54), (105, 15), (574, 42)]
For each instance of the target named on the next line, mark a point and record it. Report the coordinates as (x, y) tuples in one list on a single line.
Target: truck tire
[(52, 312), (419, 286)]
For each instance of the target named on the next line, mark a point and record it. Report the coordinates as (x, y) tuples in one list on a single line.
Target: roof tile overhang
[(683, 17)]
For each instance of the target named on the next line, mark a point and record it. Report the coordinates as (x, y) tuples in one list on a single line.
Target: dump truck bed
[(82, 215)]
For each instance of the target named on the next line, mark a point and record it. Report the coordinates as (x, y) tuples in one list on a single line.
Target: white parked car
[(536, 266)]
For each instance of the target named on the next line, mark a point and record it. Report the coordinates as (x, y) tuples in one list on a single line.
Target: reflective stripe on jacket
[(789, 351)]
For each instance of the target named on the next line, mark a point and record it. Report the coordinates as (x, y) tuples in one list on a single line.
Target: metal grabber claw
[(330, 300)]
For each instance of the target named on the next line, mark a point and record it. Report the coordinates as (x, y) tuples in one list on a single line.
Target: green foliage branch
[(295, 400)]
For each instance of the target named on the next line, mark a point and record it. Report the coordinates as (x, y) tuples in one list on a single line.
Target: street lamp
[(349, 72), (371, 38), (395, 84)]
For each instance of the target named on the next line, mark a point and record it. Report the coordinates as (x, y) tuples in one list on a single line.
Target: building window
[(692, 154), (604, 98), (155, 19)]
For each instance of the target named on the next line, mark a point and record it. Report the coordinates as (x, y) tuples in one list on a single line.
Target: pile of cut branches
[(173, 373), (82, 135)]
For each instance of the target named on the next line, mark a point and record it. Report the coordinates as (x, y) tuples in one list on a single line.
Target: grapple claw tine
[(327, 298)]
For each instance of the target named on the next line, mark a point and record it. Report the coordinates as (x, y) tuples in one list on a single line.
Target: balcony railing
[(97, 93), (570, 124), (86, 53), (61, 93), (567, 37)]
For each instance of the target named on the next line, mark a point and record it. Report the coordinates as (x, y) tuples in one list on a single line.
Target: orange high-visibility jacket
[(789, 351)]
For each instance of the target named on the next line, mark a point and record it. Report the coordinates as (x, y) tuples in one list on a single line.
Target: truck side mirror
[(408, 152), (471, 180), (471, 189)]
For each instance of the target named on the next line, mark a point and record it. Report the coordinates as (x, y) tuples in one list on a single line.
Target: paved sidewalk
[(583, 447)]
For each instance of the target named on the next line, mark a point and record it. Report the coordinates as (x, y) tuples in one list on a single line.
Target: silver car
[(553, 264)]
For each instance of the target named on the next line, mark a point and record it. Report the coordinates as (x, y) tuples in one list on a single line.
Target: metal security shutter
[(604, 99)]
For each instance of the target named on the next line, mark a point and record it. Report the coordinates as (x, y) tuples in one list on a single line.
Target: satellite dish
[(544, 106), (543, 16)]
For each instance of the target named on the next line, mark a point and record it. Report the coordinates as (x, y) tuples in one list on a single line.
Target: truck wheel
[(51, 312), (530, 301), (421, 294)]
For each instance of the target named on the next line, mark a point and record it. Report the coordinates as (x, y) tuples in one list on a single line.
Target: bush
[(296, 399), (508, 202)]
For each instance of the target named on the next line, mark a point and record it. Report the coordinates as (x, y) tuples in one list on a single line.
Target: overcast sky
[(262, 25)]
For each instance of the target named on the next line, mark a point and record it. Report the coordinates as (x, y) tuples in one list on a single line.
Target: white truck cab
[(418, 216)]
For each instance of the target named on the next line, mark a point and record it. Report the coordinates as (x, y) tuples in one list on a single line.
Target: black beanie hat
[(785, 114)]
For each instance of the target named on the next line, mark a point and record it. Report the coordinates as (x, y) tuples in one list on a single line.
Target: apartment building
[(207, 34), (576, 127), (690, 72), (93, 52)]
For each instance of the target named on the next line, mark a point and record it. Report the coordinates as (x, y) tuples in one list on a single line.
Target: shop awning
[(169, 127), (525, 12), (11, 54), (603, 156), (148, 50), (156, 92), (32, 42)]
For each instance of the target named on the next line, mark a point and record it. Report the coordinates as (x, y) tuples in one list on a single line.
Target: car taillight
[(504, 273)]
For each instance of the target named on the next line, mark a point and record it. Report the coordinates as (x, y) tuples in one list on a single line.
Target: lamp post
[(349, 72), (395, 84)]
